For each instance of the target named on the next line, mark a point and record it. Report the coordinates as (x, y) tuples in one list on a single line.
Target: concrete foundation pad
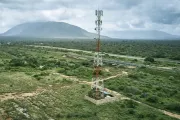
[(101, 101), (116, 97)]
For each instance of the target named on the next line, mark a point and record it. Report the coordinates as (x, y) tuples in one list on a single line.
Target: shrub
[(132, 89), (33, 62), (85, 63), (140, 115), (83, 86), (134, 76), (134, 60), (17, 62), (151, 115), (37, 76), (44, 74), (175, 57), (91, 93), (59, 116), (131, 111), (61, 70), (171, 77), (122, 106), (70, 73), (174, 107), (143, 95), (152, 99), (149, 59), (131, 104), (120, 88)]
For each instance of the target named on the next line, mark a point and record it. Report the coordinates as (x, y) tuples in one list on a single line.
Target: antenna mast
[(97, 83)]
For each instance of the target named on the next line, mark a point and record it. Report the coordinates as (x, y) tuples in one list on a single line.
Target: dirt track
[(8, 96)]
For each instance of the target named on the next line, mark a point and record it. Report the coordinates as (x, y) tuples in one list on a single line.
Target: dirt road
[(8, 96)]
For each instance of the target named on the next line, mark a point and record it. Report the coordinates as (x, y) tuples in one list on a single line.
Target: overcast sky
[(163, 15)]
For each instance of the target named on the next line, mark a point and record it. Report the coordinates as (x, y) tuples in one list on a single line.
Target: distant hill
[(49, 30), (65, 30), (143, 34)]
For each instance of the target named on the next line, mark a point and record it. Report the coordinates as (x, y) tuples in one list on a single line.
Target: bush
[(86, 64), (120, 88), (152, 99), (151, 115), (44, 74), (132, 89), (70, 73), (134, 60), (143, 95), (17, 62), (59, 116), (33, 62), (171, 77), (149, 59), (174, 107), (131, 111), (131, 104), (83, 86), (64, 80), (134, 76), (140, 115), (175, 57), (61, 70)]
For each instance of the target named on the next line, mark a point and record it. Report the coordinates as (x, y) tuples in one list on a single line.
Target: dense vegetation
[(145, 48), (157, 88), (157, 49)]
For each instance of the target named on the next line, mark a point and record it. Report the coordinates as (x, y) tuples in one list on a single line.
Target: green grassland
[(68, 103), (156, 88), (24, 69)]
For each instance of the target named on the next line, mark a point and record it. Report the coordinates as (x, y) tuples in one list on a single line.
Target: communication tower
[(97, 82)]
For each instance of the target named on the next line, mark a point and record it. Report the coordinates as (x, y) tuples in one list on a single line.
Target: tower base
[(111, 97)]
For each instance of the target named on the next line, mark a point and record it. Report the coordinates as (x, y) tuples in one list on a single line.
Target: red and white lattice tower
[(97, 82)]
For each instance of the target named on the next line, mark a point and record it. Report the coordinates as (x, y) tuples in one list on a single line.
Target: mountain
[(143, 34), (65, 30), (49, 30)]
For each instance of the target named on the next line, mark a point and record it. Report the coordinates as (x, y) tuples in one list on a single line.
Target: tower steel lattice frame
[(97, 82)]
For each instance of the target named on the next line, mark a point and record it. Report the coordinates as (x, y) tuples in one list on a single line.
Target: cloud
[(163, 15)]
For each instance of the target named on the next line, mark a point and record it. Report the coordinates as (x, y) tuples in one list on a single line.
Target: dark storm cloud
[(165, 16), (118, 14), (160, 11)]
